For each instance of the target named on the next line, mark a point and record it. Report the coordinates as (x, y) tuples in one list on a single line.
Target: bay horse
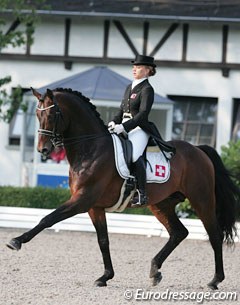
[(197, 173)]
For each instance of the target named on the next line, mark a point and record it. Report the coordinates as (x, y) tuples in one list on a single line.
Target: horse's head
[(49, 116)]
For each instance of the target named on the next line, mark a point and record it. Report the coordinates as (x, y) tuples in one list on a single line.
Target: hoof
[(14, 244), (157, 279), (215, 281), (100, 284), (213, 286)]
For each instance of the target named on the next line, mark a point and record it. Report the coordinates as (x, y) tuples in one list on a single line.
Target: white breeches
[(139, 139)]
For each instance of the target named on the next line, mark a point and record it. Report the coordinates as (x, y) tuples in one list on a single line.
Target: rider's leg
[(140, 197), (139, 139)]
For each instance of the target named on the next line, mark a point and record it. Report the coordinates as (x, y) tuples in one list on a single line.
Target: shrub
[(51, 198), (137, 211), (35, 197), (184, 210), (44, 198), (231, 158)]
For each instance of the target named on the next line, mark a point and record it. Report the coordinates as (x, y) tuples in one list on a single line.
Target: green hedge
[(50, 198), (43, 198), (33, 197)]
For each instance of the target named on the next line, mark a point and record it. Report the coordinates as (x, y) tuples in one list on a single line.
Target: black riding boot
[(140, 197)]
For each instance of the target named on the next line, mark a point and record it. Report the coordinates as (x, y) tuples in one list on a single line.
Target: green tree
[(231, 158), (23, 13)]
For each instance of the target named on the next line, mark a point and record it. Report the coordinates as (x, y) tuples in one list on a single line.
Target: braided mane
[(77, 93), (84, 99)]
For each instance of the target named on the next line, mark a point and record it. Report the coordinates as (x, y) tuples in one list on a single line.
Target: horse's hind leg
[(98, 218), (216, 240), (206, 212), (165, 213)]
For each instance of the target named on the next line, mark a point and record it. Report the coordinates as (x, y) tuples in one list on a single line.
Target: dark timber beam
[(169, 32), (106, 38), (29, 39), (119, 61), (121, 29), (67, 63), (185, 41), (145, 37), (13, 26), (225, 29)]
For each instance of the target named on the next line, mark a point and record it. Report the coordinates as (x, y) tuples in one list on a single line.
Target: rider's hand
[(119, 128), (111, 126)]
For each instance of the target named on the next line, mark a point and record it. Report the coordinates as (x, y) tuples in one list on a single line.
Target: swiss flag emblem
[(160, 170)]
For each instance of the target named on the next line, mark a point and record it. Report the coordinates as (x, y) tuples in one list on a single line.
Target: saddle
[(152, 143), (157, 168), (127, 149)]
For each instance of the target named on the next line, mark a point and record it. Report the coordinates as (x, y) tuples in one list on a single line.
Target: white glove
[(111, 126), (119, 128)]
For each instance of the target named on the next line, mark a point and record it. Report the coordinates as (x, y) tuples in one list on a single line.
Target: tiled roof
[(229, 9)]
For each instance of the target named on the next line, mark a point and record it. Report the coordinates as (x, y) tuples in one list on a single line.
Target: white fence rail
[(11, 217)]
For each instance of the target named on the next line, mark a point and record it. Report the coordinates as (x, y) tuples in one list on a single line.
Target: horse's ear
[(37, 94), (50, 93)]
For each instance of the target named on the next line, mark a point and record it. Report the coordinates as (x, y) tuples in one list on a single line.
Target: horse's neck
[(82, 119), (82, 141), (83, 153), (85, 132)]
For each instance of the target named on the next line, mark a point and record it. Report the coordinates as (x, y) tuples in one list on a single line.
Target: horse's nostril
[(45, 152)]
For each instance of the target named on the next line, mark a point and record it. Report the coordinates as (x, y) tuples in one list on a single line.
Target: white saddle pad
[(158, 168)]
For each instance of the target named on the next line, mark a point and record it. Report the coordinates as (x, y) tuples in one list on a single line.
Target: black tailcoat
[(138, 101)]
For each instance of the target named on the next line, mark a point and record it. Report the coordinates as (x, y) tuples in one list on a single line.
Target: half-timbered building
[(196, 46)]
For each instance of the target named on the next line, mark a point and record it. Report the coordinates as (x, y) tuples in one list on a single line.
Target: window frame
[(186, 122)]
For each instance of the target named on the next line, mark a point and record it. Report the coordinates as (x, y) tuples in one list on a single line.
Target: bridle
[(55, 138)]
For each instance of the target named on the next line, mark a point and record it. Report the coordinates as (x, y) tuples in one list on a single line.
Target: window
[(158, 116), (16, 125), (194, 119), (236, 121)]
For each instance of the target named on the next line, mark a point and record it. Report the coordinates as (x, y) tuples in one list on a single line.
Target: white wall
[(9, 160)]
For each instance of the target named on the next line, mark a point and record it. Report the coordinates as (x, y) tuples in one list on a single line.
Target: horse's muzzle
[(45, 151)]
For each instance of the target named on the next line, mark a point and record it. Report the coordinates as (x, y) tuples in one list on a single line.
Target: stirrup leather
[(139, 199)]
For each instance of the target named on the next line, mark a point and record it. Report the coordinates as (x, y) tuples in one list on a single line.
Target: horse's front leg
[(98, 218), (68, 209)]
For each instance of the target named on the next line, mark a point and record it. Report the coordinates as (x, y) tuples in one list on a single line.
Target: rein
[(79, 139)]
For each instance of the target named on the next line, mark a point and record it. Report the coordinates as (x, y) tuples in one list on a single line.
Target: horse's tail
[(227, 195)]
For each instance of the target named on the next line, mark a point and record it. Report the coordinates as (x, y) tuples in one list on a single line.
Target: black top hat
[(144, 60)]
